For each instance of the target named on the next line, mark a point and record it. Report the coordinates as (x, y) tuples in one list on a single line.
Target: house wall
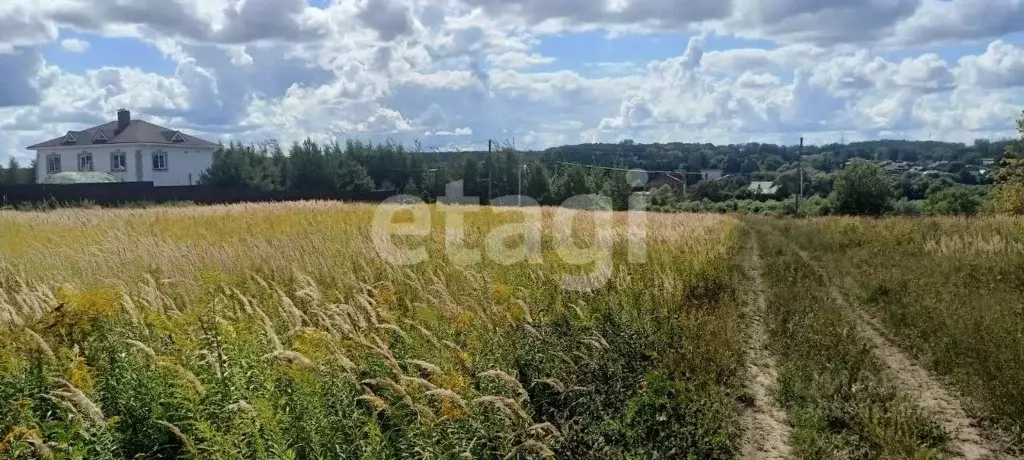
[(184, 164)]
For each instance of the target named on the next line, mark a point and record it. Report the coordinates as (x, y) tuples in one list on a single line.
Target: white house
[(133, 150)]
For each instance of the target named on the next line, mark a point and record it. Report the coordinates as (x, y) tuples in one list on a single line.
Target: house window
[(159, 161), (85, 161), (177, 138), (118, 161), (53, 163)]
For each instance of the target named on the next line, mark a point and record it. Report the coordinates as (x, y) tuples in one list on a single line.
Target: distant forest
[(552, 175)]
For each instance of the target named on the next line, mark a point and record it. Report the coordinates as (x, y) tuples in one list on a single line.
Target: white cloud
[(74, 45), (1001, 66), (457, 132), (467, 70)]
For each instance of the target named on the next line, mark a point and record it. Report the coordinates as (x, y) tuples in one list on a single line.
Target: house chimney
[(123, 118)]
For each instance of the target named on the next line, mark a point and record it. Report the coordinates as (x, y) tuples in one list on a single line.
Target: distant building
[(130, 150), (660, 179), (710, 174), (988, 161), (763, 188)]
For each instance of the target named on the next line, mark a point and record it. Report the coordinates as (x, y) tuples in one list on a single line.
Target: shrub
[(861, 188), (956, 200)]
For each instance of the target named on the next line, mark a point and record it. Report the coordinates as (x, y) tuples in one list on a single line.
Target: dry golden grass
[(276, 330)]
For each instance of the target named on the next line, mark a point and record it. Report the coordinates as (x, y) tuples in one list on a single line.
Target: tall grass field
[(277, 331), (284, 331)]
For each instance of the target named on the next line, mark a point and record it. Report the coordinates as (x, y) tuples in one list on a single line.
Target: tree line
[(15, 174), (364, 166), (553, 175)]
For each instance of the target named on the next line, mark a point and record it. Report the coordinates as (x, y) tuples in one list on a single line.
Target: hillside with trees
[(915, 171)]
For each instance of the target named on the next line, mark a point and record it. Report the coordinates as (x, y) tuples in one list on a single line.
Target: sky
[(454, 73)]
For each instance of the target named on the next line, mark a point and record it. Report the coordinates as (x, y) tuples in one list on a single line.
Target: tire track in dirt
[(965, 434), (765, 430)]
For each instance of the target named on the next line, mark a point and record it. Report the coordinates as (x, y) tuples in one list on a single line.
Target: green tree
[(861, 188), (471, 178), (955, 200), (749, 166), (538, 184), (732, 164), (570, 184), (1009, 191), (618, 189), (345, 170), (13, 174), (434, 182), (308, 167), (280, 164), (965, 177)]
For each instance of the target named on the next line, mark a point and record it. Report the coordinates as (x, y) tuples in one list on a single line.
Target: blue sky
[(454, 73)]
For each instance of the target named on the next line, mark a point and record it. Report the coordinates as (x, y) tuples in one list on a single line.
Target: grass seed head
[(512, 382), (81, 401), (185, 374), (40, 343), (291, 357), (530, 447)]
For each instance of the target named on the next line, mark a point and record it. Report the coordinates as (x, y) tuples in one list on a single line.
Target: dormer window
[(99, 138), (178, 138), (69, 139)]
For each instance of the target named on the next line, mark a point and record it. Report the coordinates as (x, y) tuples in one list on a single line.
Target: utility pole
[(520, 195), (800, 167), (489, 167)]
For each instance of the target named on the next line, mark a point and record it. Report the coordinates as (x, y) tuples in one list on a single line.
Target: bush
[(861, 188), (957, 200), (906, 207)]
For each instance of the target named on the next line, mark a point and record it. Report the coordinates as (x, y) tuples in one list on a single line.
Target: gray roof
[(763, 187), (137, 132)]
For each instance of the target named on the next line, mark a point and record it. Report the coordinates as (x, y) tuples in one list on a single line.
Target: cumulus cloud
[(74, 45), (820, 21), (389, 18), (944, 21), (651, 14), (468, 70), (1000, 66)]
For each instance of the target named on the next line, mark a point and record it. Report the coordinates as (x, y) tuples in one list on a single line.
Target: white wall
[(184, 164)]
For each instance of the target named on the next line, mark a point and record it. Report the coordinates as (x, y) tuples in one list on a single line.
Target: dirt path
[(765, 430), (916, 381)]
